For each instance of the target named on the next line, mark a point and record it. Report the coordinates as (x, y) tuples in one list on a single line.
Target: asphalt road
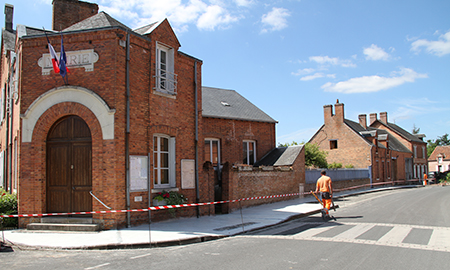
[(400, 229)]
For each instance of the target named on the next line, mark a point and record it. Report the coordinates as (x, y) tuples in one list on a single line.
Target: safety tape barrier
[(152, 208)]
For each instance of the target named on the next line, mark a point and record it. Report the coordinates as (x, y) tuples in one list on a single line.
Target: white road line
[(395, 236), (313, 231), (355, 231), (440, 238), (98, 266)]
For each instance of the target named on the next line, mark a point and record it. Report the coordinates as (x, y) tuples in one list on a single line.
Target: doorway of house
[(69, 166)]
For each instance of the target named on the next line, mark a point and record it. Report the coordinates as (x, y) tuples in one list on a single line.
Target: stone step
[(63, 227), (67, 220)]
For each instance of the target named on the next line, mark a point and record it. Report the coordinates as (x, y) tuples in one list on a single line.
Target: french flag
[(62, 60), (54, 57)]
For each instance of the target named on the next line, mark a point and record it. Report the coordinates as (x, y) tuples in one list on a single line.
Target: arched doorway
[(69, 166)]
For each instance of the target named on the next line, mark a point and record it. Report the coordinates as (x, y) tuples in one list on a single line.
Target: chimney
[(383, 117), (339, 110), (69, 12), (363, 120), (9, 10), (327, 113), (373, 118)]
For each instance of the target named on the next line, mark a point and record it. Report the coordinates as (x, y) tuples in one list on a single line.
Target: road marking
[(439, 238), (355, 231), (98, 266), (395, 235)]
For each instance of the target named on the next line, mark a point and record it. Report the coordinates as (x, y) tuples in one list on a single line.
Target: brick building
[(363, 146), (439, 160), (128, 121), (414, 142)]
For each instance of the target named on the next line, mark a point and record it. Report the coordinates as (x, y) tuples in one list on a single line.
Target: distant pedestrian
[(325, 188), (425, 178)]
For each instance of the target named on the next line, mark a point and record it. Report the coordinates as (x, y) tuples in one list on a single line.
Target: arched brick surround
[(33, 169)]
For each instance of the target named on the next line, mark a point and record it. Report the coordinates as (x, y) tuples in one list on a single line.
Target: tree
[(314, 157), (440, 141), (415, 130)]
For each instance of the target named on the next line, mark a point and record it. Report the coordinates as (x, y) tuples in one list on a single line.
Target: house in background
[(439, 160), (363, 146), (414, 142)]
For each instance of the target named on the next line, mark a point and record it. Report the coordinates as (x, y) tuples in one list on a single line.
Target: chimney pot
[(9, 11)]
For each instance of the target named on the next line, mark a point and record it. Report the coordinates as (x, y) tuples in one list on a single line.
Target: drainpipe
[(127, 132), (197, 188)]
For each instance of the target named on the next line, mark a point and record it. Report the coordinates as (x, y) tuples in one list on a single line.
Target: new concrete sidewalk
[(177, 231)]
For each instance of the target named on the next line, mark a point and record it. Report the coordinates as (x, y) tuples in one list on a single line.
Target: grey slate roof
[(228, 104), (405, 134), (9, 40), (100, 20), (282, 156), (145, 29), (394, 144)]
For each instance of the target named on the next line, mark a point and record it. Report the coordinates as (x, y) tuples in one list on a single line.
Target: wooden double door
[(69, 166)]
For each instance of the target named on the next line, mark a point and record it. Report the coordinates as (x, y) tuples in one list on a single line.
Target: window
[(423, 152), (415, 151), (249, 152), (212, 151), (163, 161), (166, 79), (333, 144)]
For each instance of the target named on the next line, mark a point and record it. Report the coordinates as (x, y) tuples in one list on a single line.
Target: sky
[(292, 57)]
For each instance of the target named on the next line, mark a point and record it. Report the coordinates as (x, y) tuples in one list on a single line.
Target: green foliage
[(335, 165), (440, 141), (349, 166), (8, 206), (171, 197), (314, 157)]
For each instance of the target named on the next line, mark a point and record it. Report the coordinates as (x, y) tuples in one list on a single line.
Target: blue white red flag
[(54, 57), (62, 60)]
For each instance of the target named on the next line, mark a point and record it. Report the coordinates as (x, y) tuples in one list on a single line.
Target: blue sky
[(292, 57)]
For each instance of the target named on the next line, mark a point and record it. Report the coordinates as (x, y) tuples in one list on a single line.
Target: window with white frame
[(424, 155), (415, 151), (166, 79), (163, 161), (212, 151), (249, 148)]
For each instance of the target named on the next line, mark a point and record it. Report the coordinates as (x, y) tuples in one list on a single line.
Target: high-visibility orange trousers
[(326, 205)]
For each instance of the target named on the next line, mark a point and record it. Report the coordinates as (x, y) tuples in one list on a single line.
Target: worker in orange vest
[(425, 178), (326, 189)]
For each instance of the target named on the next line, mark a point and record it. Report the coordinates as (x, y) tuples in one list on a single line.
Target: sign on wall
[(187, 173), (138, 173), (75, 59)]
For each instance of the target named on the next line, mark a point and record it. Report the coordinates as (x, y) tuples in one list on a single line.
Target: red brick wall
[(246, 181), (231, 134)]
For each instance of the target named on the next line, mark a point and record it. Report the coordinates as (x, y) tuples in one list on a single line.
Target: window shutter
[(172, 162)]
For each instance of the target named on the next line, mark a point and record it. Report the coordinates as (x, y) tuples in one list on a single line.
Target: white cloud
[(303, 71), (440, 47), (181, 13), (244, 3), (326, 60), (368, 84), (317, 76), (275, 20), (215, 16), (376, 53)]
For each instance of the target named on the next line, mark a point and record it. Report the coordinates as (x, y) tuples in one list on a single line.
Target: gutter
[(197, 188), (127, 131)]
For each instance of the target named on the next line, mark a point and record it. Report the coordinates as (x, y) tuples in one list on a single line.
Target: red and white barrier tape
[(189, 204)]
